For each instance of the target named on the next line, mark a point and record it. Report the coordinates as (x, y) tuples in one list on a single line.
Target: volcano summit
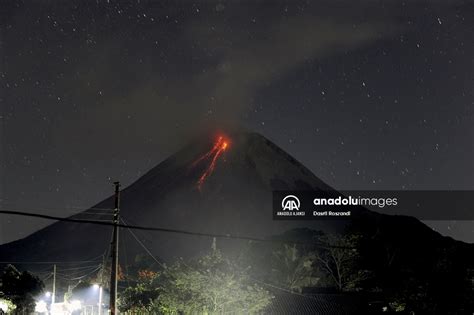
[(220, 183)]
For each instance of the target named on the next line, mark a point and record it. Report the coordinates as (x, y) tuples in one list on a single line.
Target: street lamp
[(97, 286), (47, 299)]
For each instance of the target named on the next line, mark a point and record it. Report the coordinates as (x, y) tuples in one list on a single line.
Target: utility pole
[(100, 300), (53, 298), (114, 266), (101, 283)]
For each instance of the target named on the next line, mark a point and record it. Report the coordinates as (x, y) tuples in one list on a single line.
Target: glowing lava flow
[(219, 147)]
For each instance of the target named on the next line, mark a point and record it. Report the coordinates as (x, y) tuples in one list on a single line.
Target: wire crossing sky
[(168, 230)]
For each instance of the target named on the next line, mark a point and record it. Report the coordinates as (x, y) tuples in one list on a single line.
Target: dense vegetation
[(380, 271), (211, 284)]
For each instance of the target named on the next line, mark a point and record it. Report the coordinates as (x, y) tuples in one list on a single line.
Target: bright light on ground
[(75, 305), (3, 306), (40, 307)]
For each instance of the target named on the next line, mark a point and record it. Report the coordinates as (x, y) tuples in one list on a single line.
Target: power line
[(83, 276), (77, 272), (143, 245), (143, 237), (92, 260), (45, 262), (70, 209), (79, 268), (10, 201), (47, 277), (93, 213), (168, 230)]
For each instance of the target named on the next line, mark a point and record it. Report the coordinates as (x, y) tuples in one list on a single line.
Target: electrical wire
[(70, 209), (168, 230), (79, 268), (54, 262), (77, 272), (83, 276), (144, 247), (47, 277)]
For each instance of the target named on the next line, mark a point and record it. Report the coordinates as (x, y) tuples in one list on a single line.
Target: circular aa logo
[(290, 202)]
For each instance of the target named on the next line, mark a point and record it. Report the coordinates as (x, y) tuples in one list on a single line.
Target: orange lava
[(219, 147)]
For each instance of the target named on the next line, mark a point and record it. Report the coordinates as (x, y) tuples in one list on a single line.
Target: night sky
[(368, 95)]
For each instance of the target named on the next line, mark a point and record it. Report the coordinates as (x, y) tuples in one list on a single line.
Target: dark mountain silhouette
[(235, 198), (225, 186)]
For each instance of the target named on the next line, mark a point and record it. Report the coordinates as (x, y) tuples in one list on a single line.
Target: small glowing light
[(96, 286), (47, 294)]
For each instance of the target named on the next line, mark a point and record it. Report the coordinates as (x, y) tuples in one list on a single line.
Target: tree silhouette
[(20, 288)]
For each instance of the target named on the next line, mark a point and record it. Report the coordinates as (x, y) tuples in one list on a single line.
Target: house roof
[(294, 303)]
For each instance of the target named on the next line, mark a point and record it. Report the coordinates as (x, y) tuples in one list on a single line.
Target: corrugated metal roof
[(337, 304)]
